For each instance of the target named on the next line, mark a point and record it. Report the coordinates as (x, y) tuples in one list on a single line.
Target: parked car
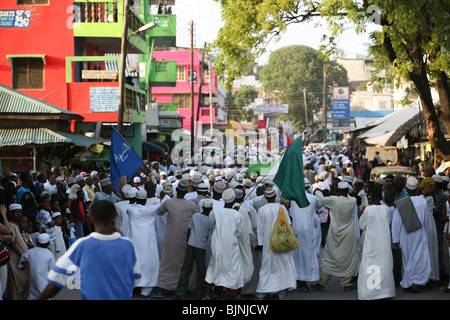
[(383, 171)]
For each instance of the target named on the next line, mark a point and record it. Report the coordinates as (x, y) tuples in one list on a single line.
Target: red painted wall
[(49, 33)]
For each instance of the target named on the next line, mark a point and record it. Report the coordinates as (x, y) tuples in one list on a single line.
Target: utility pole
[(324, 107), (123, 63), (192, 91), (306, 109)]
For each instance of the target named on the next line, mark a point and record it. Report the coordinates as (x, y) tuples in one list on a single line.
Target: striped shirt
[(104, 267)]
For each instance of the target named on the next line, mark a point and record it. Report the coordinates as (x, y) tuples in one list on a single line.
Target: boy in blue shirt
[(104, 261)]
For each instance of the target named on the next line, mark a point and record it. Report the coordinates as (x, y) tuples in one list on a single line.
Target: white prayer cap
[(219, 187), (239, 177), (202, 187), (197, 179), (306, 182), (229, 175), (228, 195), (347, 179), (343, 185), (269, 193), (445, 179), (411, 183), (43, 238), (163, 173), (207, 203), (168, 190), (141, 194), (137, 180), (55, 214), (380, 181), (126, 190), (15, 206), (105, 182), (94, 173), (437, 178)]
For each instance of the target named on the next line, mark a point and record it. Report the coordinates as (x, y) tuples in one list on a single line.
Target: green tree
[(295, 74), (239, 103), (411, 43)]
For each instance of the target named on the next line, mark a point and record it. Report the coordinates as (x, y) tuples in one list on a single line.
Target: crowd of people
[(204, 231)]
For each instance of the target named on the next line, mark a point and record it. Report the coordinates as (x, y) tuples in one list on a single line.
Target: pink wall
[(164, 94), (48, 34)]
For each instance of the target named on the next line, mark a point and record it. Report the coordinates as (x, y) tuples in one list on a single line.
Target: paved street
[(332, 292)]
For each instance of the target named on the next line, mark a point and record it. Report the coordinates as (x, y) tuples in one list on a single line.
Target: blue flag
[(124, 160)]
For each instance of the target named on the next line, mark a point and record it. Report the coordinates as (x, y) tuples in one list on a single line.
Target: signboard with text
[(15, 18), (340, 109), (104, 99)]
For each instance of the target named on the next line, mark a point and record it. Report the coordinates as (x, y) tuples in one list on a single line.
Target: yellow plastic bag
[(282, 238)]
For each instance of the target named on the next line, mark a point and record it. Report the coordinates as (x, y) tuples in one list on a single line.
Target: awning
[(147, 146), (41, 136), (9, 57), (163, 145)]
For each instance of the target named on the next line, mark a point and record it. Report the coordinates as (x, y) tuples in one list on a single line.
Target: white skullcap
[(343, 185), (228, 195), (239, 177), (306, 182), (43, 238), (347, 179), (269, 192), (163, 173), (207, 203), (55, 214), (141, 194), (322, 175), (381, 181), (437, 178), (15, 206), (137, 180), (411, 183)]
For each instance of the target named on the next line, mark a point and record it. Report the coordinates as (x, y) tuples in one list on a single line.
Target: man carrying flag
[(124, 160), (289, 178)]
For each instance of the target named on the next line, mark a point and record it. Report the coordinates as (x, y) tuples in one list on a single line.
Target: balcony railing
[(103, 18)]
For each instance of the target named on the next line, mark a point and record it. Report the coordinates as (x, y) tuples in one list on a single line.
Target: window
[(28, 73), (38, 2), (181, 73), (183, 100)]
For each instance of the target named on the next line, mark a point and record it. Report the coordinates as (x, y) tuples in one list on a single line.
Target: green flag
[(290, 178)]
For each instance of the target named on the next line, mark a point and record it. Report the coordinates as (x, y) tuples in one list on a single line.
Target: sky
[(206, 15)]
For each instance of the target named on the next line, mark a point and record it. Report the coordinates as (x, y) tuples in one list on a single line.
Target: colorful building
[(67, 53), (178, 98)]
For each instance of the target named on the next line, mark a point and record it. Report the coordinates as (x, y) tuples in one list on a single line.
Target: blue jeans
[(79, 233)]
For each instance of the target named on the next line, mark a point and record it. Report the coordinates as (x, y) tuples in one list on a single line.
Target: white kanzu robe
[(306, 228), (277, 268), (225, 265), (414, 245), (375, 277), (122, 221), (143, 236)]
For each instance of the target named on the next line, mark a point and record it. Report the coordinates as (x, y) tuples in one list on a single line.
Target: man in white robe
[(143, 236), (340, 255), (225, 267), (304, 226), (376, 277), (122, 221), (414, 245), (277, 273)]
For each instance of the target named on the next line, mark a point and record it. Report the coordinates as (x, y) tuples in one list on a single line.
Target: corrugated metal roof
[(23, 136), (13, 101)]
